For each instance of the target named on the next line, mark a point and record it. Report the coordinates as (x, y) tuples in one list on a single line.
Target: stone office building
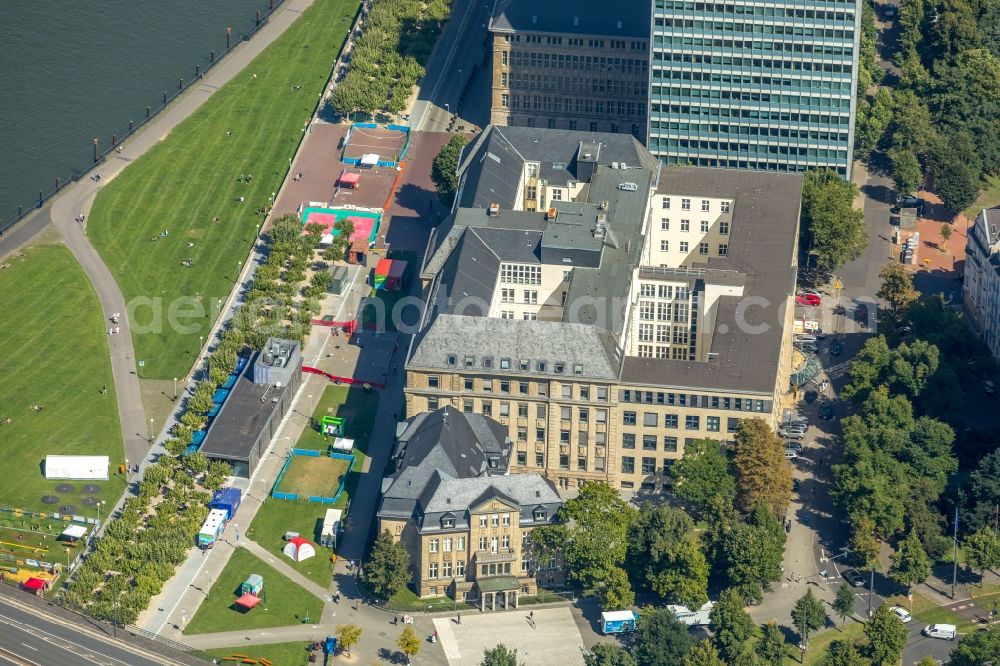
[(582, 66), (645, 307), (463, 519)]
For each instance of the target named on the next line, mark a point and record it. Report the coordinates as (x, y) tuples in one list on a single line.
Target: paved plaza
[(551, 637)]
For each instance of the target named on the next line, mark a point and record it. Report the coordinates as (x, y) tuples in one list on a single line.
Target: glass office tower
[(754, 85)]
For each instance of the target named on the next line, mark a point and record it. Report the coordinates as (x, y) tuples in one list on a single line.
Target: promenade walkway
[(79, 196)]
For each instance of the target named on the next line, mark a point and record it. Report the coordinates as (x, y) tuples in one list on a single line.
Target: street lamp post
[(175, 389), (150, 431)]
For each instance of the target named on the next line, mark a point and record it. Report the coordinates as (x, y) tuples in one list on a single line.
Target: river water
[(72, 70)]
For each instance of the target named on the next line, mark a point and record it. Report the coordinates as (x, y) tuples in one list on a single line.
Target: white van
[(945, 631), (805, 326)]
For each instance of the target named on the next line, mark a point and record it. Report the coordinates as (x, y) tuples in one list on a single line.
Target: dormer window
[(560, 367), (505, 364), (523, 364), (452, 359), (487, 361), (541, 365), (470, 361), (447, 523), (539, 515), (577, 369)]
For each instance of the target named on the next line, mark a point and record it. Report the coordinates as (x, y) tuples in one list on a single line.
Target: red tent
[(247, 601), (349, 179), (35, 585)]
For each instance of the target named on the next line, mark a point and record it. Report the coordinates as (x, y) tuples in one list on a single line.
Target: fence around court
[(152, 111), (309, 453)]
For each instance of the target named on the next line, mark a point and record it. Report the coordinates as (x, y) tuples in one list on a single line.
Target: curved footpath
[(79, 196)]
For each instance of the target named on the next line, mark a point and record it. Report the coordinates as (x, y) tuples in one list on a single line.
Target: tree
[(660, 639), (843, 603), (977, 648), (808, 615), (763, 476), (956, 172), (617, 592), (886, 637), (981, 495), (703, 472), (591, 533), (910, 565), (982, 551), (666, 557), (348, 636), (408, 642), (946, 230), (772, 648), (906, 175), (897, 287), (872, 122), (731, 624), (833, 231), (444, 170), (867, 369), (843, 653), (609, 654), (387, 570), (501, 655), (703, 654), (749, 555)]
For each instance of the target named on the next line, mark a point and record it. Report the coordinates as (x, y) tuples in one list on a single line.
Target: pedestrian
[(531, 615), (460, 618), (395, 620)]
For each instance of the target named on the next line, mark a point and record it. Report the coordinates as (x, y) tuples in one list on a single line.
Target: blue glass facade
[(754, 85)]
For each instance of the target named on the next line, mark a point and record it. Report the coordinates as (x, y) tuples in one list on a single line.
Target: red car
[(808, 298)]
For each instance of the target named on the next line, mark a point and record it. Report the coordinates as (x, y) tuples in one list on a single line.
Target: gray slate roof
[(525, 490), (554, 342), (500, 153), (762, 246), (580, 17)]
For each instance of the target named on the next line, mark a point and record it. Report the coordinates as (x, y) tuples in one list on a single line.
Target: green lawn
[(287, 603), (277, 516), (279, 654), (988, 197), (55, 354), (352, 403), (819, 643), (192, 177)]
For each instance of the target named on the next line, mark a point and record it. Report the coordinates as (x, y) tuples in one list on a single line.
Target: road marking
[(29, 647), (17, 659), (446, 65)]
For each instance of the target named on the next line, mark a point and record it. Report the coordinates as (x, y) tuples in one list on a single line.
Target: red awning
[(383, 266), (34, 584), (247, 601), (350, 178)]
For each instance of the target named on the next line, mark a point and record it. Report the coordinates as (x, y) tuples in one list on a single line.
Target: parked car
[(901, 613), (806, 337), (945, 631), (791, 455), (792, 434), (826, 411), (809, 347), (989, 387), (793, 446), (836, 348), (910, 201), (853, 578), (811, 299)]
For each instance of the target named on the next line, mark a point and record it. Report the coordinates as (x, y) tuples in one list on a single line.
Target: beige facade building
[(635, 309), (464, 520), (580, 67)]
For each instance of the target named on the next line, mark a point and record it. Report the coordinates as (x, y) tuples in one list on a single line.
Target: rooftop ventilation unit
[(614, 165), (494, 210), (550, 214)]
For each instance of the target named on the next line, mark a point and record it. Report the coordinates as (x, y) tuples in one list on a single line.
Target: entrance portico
[(498, 592)]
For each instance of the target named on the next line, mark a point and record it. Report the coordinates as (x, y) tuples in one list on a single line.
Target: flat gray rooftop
[(235, 428)]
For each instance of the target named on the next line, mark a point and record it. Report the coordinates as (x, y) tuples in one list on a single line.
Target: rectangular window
[(725, 206), (541, 411), (446, 544), (665, 203), (522, 387), (583, 415), (670, 444), (664, 246), (565, 413), (649, 419), (685, 204), (685, 225), (522, 410), (649, 442), (433, 381), (704, 226), (732, 424), (539, 460), (460, 568), (432, 545), (713, 423), (461, 543), (506, 295), (664, 224), (432, 570), (446, 569), (628, 465), (482, 522), (432, 404), (684, 246), (704, 205), (723, 227), (692, 423), (628, 418), (531, 296), (723, 249), (628, 440), (648, 465), (522, 458), (702, 248), (520, 274), (669, 420)]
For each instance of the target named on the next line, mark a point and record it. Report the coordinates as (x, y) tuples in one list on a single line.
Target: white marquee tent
[(77, 467)]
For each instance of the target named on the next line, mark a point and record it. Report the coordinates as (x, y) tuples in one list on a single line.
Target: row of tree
[(155, 529), (943, 120), (388, 57)]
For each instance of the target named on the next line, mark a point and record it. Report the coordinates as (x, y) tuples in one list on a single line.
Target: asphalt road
[(459, 50), (26, 637)]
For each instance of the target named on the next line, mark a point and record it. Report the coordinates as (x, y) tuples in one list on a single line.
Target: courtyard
[(549, 636)]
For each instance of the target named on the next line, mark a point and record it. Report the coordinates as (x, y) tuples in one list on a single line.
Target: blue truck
[(228, 500)]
